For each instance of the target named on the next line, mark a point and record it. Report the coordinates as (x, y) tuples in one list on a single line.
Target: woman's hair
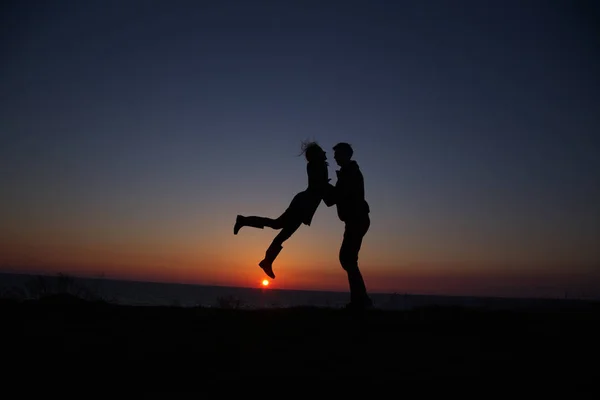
[(310, 148)]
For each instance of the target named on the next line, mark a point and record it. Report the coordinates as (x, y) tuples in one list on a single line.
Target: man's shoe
[(366, 304)]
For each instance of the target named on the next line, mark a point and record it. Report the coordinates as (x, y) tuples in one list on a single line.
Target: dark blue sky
[(139, 123)]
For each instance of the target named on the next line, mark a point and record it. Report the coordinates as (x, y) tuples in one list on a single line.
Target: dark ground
[(65, 337)]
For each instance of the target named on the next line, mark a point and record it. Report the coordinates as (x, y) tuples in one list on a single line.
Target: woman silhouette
[(300, 211)]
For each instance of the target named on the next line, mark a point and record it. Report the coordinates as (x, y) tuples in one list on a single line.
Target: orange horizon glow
[(404, 281), (223, 260)]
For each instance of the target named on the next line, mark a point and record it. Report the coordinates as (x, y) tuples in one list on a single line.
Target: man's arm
[(329, 195)]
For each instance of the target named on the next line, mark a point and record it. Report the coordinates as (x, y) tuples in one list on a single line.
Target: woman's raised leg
[(257, 222)]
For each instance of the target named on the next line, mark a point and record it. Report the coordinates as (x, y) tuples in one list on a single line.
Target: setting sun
[(265, 282)]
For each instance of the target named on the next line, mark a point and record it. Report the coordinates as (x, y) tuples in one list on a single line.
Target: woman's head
[(313, 152)]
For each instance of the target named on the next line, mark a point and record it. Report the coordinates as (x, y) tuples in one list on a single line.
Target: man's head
[(342, 153)]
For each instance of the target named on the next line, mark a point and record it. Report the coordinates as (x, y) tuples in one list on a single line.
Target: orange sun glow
[(265, 282)]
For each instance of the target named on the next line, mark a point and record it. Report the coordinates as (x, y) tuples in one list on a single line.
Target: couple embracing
[(348, 195)]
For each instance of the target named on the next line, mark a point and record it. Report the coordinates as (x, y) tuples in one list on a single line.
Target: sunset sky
[(133, 132)]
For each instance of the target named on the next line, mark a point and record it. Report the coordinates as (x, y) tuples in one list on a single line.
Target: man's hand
[(329, 195)]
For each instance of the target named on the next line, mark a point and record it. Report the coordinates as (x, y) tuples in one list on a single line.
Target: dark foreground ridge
[(65, 336)]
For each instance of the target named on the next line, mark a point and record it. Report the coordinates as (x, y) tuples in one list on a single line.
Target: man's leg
[(351, 244)]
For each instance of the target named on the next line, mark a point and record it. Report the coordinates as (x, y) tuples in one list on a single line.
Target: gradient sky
[(133, 132)]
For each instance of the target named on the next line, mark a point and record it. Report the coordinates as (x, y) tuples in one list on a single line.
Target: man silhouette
[(348, 195)]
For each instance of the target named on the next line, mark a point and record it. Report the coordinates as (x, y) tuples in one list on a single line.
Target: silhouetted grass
[(42, 286), (229, 302), (62, 285), (67, 335)]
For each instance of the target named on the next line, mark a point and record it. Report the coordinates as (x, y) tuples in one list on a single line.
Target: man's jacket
[(348, 194)]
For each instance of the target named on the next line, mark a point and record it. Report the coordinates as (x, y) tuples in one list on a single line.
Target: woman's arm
[(317, 176)]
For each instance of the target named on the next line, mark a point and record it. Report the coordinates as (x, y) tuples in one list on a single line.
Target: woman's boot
[(267, 263), (254, 222)]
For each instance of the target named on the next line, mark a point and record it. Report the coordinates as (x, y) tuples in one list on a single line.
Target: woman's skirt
[(303, 207)]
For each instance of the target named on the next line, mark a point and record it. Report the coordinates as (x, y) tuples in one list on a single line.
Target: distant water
[(169, 294)]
